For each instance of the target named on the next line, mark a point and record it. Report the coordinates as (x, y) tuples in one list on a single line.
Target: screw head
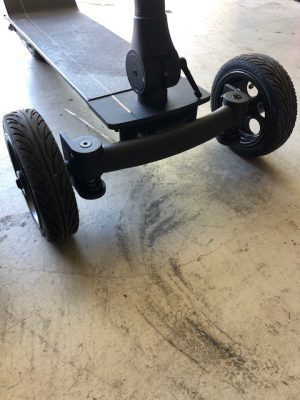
[(19, 183), (237, 96), (19, 180), (85, 144)]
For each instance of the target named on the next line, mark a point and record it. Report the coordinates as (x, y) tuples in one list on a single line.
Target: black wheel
[(41, 174), (272, 108), (34, 52)]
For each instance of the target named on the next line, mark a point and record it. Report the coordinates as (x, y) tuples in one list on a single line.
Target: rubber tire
[(279, 94), (33, 144)]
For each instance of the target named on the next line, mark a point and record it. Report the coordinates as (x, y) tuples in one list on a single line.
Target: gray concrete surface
[(183, 281)]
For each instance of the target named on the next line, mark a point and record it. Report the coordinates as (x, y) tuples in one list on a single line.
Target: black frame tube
[(156, 147), (152, 64), (88, 161), (149, 8)]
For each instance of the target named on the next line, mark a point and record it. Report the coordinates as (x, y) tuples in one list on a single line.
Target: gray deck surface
[(87, 55), (91, 59)]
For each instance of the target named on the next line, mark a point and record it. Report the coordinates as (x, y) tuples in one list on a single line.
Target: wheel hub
[(252, 129)]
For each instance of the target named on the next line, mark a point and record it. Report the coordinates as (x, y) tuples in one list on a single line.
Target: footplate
[(123, 110)]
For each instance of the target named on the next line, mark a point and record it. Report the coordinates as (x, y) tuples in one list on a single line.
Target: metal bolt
[(19, 183), (236, 96), (85, 144)]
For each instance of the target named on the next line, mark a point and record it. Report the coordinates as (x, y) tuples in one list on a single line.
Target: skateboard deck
[(73, 44), (91, 59)]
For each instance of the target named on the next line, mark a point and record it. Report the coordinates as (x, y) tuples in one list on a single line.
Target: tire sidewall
[(270, 99), (9, 136)]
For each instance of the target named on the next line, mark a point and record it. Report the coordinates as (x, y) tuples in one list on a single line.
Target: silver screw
[(85, 144), (236, 96)]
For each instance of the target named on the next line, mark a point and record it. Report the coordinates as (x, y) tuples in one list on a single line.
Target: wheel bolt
[(85, 144), (19, 183), (236, 96)]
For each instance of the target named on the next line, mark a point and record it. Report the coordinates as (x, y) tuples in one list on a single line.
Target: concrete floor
[(183, 281)]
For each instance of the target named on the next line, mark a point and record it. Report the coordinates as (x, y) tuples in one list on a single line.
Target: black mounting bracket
[(82, 157), (152, 64)]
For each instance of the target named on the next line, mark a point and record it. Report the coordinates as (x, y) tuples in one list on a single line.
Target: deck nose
[(28, 6)]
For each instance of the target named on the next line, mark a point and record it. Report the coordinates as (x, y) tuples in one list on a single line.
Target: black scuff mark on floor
[(187, 329), (152, 216), (123, 242), (173, 344), (176, 270), (157, 279), (14, 220), (223, 350), (165, 219), (2, 238), (163, 228), (187, 390)]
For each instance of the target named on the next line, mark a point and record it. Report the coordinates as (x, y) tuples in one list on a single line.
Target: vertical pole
[(149, 8), (152, 64)]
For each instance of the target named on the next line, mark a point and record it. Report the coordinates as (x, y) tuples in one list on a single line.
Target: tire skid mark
[(3, 238), (193, 299), (160, 215), (176, 270), (123, 242), (174, 310), (181, 323), (173, 344), (211, 341), (187, 390), (14, 220), (157, 280)]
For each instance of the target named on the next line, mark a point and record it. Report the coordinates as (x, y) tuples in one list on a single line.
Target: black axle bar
[(157, 147), (87, 159)]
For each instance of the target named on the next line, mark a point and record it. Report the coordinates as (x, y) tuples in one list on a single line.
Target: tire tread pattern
[(46, 173), (282, 94)]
